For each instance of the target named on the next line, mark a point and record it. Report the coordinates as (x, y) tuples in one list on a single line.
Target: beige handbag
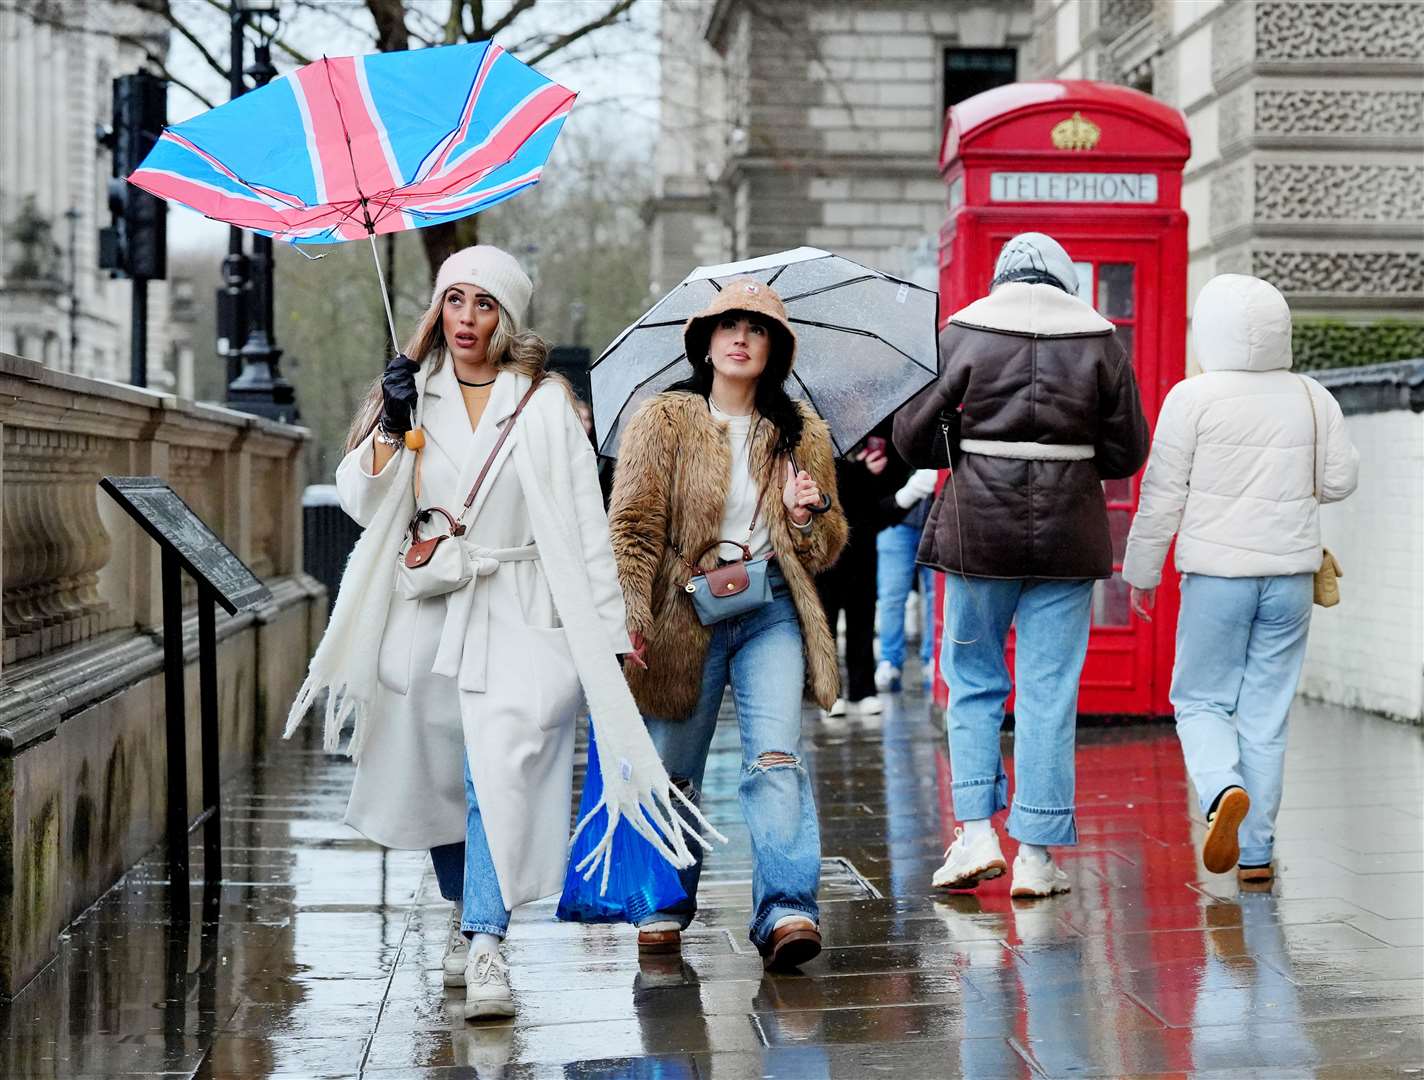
[(1327, 578)]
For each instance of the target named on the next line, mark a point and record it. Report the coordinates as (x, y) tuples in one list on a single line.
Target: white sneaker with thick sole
[(869, 706), (968, 863), (838, 708), (887, 677), (457, 953), (1035, 878), (487, 988)]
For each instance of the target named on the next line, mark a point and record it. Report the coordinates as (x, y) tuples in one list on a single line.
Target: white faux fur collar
[(1032, 310)]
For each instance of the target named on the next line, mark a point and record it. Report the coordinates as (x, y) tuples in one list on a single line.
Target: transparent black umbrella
[(866, 342)]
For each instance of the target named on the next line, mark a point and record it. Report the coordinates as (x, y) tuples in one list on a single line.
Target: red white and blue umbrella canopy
[(353, 146)]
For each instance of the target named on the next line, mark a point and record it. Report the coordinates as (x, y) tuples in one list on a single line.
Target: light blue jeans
[(1053, 619), (896, 549), (760, 655), (1240, 647), (465, 872)]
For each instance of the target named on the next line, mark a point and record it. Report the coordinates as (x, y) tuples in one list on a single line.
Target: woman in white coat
[(1242, 457), (489, 674)]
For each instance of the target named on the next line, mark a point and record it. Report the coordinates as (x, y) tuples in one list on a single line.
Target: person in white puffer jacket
[(1242, 458)]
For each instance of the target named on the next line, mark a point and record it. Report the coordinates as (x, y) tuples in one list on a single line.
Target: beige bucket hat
[(742, 294)]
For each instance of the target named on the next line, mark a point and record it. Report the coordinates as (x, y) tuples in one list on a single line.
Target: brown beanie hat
[(741, 294)]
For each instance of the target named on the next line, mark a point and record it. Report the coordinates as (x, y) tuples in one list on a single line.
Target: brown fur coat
[(669, 490)]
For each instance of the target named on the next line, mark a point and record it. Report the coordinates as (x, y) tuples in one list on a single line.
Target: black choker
[(462, 382)]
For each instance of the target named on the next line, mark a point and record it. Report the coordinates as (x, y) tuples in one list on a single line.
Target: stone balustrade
[(82, 790)]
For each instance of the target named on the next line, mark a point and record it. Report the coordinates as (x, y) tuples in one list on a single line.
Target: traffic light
[(135, 245)]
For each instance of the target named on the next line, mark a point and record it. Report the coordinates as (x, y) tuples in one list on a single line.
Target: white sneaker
[(966, 864), (487, 987), (1037, 877), (457, 953), (869, 706), (838, 708), (887, 677)]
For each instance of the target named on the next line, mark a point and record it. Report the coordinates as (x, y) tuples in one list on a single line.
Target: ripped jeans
[(760, 655)]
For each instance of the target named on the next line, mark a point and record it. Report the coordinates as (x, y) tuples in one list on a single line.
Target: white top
[(742, 493)]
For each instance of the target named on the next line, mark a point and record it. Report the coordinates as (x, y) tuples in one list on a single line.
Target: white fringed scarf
[(636, 786)]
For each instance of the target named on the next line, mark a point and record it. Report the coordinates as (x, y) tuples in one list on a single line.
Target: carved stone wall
[(1330, 192), (1231, 198), (1339, 112), (1232, 40), (1351, 30), (1343, 273)]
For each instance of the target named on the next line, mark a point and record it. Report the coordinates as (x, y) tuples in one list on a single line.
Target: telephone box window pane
[(1085, 281), (1115, 282), (1110, 606), (972, 71)]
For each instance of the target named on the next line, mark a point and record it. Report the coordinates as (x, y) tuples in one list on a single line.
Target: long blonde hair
[(510, 349)]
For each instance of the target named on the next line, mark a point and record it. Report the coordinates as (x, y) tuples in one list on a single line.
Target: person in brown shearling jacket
[(1035, 406), (728, 455)]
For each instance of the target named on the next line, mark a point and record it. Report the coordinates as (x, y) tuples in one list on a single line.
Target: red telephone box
[(1099, 168)]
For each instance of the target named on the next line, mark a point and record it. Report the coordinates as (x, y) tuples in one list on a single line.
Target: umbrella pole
[(385, 296)]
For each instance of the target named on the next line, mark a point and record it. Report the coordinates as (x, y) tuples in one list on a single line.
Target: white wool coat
[(1235, 450), (511, 697)]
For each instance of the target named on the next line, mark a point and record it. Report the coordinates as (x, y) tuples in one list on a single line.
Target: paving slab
[(323, 959)]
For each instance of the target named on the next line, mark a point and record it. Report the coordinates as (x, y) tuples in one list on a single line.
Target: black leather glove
[(398, 395)]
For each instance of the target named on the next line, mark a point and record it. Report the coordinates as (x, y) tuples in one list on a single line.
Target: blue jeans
[(1240, 647), (1053, 619), (897, 547), (760, 655), (465, 872)]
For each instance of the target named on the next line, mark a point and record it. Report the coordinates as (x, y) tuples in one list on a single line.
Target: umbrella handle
[(825, 504)]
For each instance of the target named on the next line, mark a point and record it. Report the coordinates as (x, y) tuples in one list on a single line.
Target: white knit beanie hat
[(492, 269)]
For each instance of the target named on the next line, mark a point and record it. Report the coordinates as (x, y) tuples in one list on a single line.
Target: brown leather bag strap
[(489, 462)]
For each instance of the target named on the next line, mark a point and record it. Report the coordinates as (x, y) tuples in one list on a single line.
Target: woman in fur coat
[(727, 455), (465, 699)]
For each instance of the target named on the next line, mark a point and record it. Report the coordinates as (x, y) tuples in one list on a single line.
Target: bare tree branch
[(454, 21), (162, 9), (516, 9), (608, 19)]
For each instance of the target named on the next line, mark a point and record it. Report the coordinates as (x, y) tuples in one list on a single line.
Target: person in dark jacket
[(867, 479), (1035, 406)]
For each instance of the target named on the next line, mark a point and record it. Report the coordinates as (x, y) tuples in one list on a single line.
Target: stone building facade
[(56, 72), (819, 123), (815, 123), (1307, 123)]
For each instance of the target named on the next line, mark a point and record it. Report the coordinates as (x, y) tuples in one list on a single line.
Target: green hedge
[(1320, 344)]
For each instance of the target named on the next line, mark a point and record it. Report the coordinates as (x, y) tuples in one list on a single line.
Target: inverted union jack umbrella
[(354, 146)]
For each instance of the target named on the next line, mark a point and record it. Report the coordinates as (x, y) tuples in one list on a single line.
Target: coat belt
[(463, 651), (1028, 451)]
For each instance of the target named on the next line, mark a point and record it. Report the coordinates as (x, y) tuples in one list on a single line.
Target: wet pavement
[(324, 960)]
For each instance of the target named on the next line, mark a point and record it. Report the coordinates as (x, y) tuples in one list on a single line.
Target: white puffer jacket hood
[(1244, 453), (1241, 323)]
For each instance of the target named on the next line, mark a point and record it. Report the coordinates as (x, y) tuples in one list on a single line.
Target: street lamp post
[(259, 388)]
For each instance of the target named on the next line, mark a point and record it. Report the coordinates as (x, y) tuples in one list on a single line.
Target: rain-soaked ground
[(325, 959)]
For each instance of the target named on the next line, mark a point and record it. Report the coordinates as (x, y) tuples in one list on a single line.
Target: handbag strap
[(499, 443), (1314, 440)]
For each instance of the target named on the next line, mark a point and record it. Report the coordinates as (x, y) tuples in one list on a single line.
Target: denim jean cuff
[(760, 931), (982, 798), (470, 929), (1046, 826), (1254, 857)]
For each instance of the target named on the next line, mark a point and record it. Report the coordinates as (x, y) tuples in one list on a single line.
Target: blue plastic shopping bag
[(640, 881)]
